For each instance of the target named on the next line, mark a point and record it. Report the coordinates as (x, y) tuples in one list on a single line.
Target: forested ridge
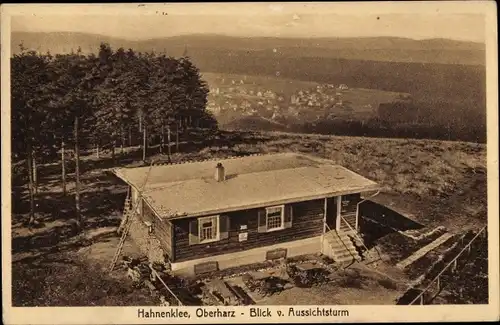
[(109, 100)]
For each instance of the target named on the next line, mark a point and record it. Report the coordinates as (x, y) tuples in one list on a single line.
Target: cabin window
[(208, 229), (275, 218)]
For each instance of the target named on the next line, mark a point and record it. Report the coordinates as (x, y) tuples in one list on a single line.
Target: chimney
[(220, 174)]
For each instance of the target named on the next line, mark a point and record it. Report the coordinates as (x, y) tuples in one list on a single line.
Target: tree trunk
[(144, 143), (30, 187), (177, 138), (140, 123), (35, 178), (162, 143), (63, 167), (129, 136), (113, 153), (122, 138), (77, 178), (168, 140)]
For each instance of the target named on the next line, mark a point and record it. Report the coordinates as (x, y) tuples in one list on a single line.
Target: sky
[(257, 19)]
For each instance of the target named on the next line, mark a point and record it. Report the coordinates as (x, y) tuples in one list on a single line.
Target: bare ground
[(357, 285)]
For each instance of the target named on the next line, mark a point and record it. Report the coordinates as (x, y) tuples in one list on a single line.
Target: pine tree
[(77, 77), (63, 101), (29, 101)]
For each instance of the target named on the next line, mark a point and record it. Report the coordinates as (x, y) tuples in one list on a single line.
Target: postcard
[(249, 162)]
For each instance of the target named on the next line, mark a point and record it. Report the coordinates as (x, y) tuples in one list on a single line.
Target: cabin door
[(332, 212), (348, 207)]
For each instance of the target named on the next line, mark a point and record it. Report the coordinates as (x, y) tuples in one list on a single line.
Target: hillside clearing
[(438, 183)]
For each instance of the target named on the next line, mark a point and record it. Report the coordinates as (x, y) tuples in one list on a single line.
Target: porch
[(340, 239), (341, 213)]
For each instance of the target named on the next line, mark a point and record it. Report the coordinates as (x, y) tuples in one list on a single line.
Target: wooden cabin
[(223, 213)]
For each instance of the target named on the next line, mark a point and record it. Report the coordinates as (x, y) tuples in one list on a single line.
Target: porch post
[(339, 209), (324, 227), (324, 216), (357, 215)]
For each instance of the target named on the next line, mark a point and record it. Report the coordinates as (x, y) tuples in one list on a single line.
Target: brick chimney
[(220, 174)]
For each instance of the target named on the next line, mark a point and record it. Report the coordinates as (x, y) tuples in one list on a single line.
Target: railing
[(330, 231), (359, 238), (174, 301), (453, 263)]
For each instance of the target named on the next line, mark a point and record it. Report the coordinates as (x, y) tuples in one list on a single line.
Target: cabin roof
[(190, 189)]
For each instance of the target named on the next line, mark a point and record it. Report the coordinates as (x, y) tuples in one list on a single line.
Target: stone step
[(337, 248), (345, 241), (341, 254), (357, 241), (350, 248), (346, 259), (346, 247), (343, 234)]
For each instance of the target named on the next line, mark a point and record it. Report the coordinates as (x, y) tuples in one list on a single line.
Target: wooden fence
[(170, 297), (435, 283)]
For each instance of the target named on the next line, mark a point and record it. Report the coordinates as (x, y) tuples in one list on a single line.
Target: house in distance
[(212, 215)]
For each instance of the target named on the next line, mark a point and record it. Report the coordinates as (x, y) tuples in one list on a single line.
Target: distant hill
[(391, 49), (438, 73)]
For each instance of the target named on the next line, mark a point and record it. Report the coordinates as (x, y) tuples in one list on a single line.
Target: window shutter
[(288, 216), (224, 227), (193, 232), (262, 222)]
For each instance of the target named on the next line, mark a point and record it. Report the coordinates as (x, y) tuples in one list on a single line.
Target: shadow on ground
[(378, 221), (56, 214)]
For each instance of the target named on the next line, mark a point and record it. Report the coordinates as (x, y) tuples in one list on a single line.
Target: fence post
[(437, 284), (422, 299)]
